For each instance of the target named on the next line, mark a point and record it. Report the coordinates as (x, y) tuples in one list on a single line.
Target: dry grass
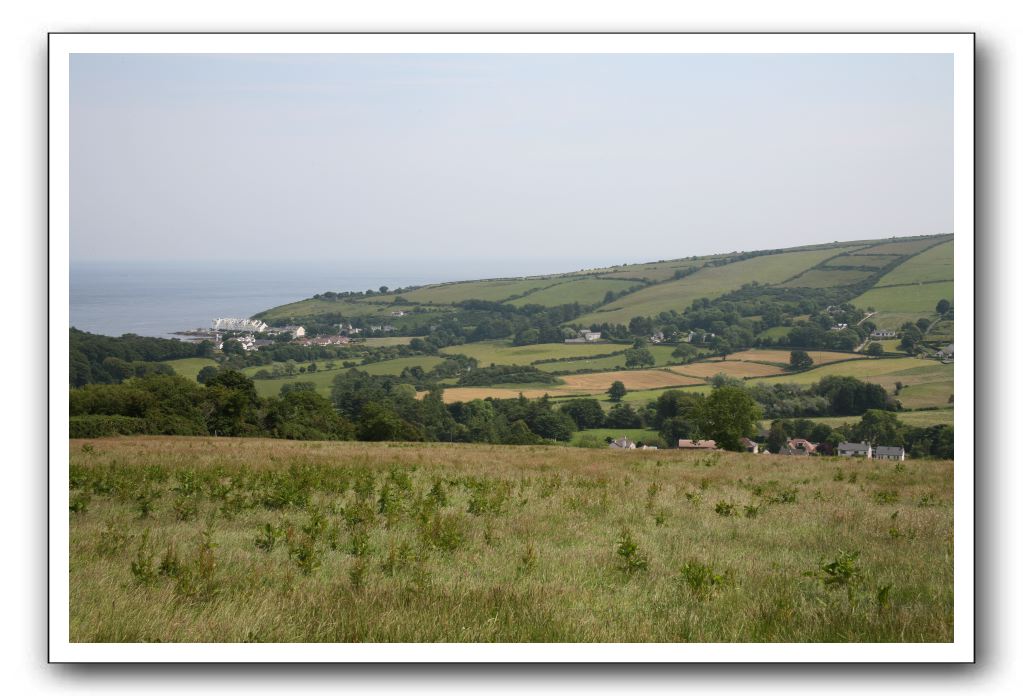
[(453, 394), (732, 368), (413, 542), (820, 357), (597, 382)]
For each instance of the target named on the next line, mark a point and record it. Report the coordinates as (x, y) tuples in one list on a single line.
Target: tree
[(623, 416), (639, 357), (726, 415), (586, 413), (942, 307), (206, 374), (800, 360), (617, 391), (776, 437), (879, 428), (875, 349)]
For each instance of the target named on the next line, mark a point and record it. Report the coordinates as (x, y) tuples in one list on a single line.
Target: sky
[(534, 162)]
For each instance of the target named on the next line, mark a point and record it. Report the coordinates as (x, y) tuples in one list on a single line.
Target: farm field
[(927, 394), (732, 368), (600, 434), (918, 419), (597, 382), (385, 341), (902, 248), (323, 379), (662, 357), (934, 264), (584, 291), (878, 261), (453, 394), (826, 278), (709, 283), (231, 540), (189, 368), (504, 353), (781, 357), (656, 272), (491, 290), (915, 300), (313, 307)]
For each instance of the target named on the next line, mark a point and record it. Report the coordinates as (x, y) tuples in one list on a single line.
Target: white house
[(855, 449), (886, 452), (884, 333), (233, 324), (947, 353), (622, 443)]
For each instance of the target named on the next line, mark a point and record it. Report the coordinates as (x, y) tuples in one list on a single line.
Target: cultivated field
[(732, 368), (504, 353), (231, 540), (632, 379), (709, 283), (490, 290), (453, 394), (904, 248), (781, 357), (861, 260), (584, 291), (934, 264)]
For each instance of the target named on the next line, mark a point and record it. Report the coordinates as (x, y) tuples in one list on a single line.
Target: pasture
[(234, 540), (490, 290), (504, 353), (189, 368), (901, 248), (916, 300), (323, 379), (732, 368), (598, 382), (827, 278), (782, 357), (599, 435), (315, 308), (917, 419), (585, 291), (878, 261), (934, 264), (707, 282)]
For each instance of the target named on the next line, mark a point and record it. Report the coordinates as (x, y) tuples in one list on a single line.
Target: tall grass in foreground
[(229, 540)]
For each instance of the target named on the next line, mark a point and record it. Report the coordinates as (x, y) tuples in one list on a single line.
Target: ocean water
[(157, 299)]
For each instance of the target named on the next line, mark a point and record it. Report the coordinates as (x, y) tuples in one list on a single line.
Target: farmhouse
[(584, 337), (325, 341), (697, 444), (398, 313), (622, 443), (886, 452), (855, 449), (883, 333), (946, 353), (750, 445), (657, 337), (801, 444), (839, 327), (793, 451), (295, 331)]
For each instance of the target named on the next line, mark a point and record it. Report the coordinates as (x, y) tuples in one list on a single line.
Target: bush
[(105, 426)]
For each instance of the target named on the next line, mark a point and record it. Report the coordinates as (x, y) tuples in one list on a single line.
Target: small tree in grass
[(617, 391), (800, 360), (875, 350)]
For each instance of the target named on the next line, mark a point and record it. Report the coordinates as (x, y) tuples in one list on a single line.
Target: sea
[(159, 299)]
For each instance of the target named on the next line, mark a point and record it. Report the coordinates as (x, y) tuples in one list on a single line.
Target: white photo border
[(62, 45)]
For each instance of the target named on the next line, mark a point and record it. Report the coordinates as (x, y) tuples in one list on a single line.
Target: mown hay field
[(782, 357), (827, 278), (632, 379), (504, 353), (189, 368), (732, 368), (228, 540)]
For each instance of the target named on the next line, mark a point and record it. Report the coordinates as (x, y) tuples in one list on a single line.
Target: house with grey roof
[(622, 443), (855, 449), (892, 453)]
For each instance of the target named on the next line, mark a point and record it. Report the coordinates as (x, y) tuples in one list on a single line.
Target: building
[(324, 341), (750, 445), (855, 449), (697, 444), (232, 324), (657, 337), (892, 453), (839, 327), (295, 331), (884, 333), (947, 353), (398, 313), (801, 444), (622, 443), (790, 451), (584, 337)]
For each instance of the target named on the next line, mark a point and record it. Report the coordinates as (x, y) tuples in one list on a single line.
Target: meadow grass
[(323, 379), (902, 248), (600, 434), (707, 282), (504, 353), (584, 291), (189, 367), (934, 264), (230, 540), (909, 300), (490, 290), (827, 278), (917, 419)]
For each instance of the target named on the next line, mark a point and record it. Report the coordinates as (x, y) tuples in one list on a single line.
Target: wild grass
[(340, 542)]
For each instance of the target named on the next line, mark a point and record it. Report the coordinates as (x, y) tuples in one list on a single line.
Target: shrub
[(630, 558), (701, 579)]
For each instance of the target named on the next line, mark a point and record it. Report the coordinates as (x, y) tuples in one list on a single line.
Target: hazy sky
[(570, 160)]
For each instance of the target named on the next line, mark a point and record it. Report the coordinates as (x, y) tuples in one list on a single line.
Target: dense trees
[(96, 359), (616, 391), (726, 415), (800, 360), (587, 413)]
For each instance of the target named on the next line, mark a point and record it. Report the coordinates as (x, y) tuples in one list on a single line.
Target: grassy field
[(934, 264), (782, 357), (490, 290), (918, 300), (323, 379), (600, 434), (231, 540), (868, 261), (732, 368), (312, 308), (707, 282), (598, 382), (504, 353), (385, 341), (903, 248), (536, 391), (584, 291), (826, 278), (918, 419), (662, 357), (189, 367)]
